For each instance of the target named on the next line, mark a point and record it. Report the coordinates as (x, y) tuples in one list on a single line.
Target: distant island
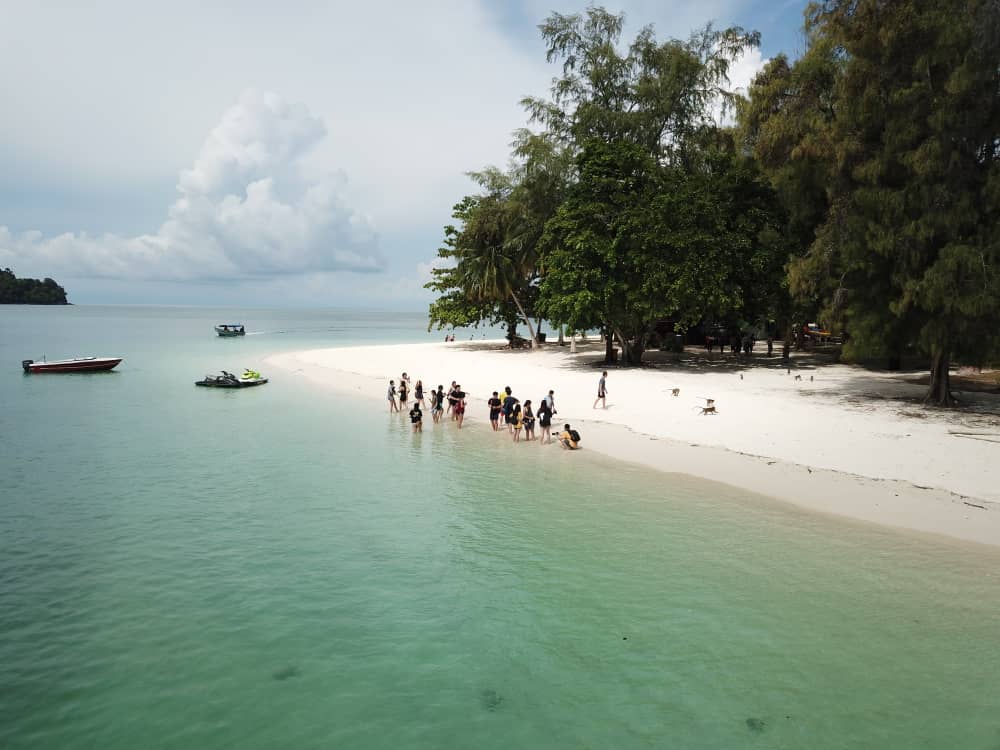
[(15, 291)]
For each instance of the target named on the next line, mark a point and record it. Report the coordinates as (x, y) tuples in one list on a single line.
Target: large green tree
[(637, 241), (907, 139), (642, 120)]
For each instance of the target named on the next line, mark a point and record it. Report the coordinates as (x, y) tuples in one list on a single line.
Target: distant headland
[(15, 291)]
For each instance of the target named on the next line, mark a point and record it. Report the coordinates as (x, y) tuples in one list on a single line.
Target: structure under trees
[(889, 128)]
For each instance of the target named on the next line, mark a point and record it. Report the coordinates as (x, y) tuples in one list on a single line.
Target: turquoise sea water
[(287, 567)]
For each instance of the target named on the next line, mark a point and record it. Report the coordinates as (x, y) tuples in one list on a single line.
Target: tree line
[(15, 291), (858, 185)]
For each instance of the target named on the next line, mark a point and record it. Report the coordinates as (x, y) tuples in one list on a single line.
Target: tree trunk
[(786, 345), (895, 362), (609, 345), (527, 320), (939, 392), (562, 340), (632, 350), (511, 331)]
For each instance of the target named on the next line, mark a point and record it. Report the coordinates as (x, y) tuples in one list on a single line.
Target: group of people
[(454, 399), (519, 418)]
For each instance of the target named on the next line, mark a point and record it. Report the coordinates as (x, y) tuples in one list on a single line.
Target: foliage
[(15, 291), (494, 258), (637, 241), (903, 126), (658, 96)]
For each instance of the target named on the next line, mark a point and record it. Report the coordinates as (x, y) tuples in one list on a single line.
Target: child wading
[(392, 397), (417, 418), (516, 422)]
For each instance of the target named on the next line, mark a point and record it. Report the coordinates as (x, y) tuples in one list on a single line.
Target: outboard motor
[(26, 364)]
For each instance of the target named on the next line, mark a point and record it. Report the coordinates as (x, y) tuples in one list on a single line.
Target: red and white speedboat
[(80, 364)]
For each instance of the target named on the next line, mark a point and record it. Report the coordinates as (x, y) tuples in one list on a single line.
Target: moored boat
[(79, 364), (230, 329), (228, 380)]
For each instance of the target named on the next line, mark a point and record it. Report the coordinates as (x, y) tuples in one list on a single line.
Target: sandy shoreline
[(840, 440)]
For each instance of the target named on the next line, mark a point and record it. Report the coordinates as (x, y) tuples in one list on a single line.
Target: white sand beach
[(832, 438)]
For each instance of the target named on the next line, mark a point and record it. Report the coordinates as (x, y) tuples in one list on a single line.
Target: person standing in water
[(544, 422), (516, 422), (528, 416), (417, 417), (438, 408), (392, 397), (418, 393), (602, 390), (403, 388), (494, 404), (508, 408), (459, 408)]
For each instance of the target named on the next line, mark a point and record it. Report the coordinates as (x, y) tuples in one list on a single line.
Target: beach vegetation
[(883, 142), (491, 258)]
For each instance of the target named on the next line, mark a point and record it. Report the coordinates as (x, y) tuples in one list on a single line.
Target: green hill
[(15, 291)]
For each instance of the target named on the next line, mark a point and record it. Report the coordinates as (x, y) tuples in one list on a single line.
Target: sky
[(294, 154)]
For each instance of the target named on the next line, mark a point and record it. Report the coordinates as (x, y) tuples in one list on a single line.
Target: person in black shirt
[(528, 417), (417, 417), (545, 422), (495, 404)]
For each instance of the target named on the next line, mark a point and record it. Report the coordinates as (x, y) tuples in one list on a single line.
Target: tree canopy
[(861, 186), (883, 141)]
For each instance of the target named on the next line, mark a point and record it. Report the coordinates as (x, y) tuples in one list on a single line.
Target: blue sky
[(251, 154)]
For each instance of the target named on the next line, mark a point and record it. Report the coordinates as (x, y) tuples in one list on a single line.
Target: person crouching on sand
[(392, 397), (569, 438), (417, 417)]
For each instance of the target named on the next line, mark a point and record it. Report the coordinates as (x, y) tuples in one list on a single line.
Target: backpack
[(575, 436)]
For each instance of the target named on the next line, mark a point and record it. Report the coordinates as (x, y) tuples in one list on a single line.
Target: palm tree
[(491, 267)]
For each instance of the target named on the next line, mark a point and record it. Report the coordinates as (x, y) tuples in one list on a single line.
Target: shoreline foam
[(838, 444)]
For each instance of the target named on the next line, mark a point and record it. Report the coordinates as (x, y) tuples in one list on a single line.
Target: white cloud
[(120, 94), (246, 208)]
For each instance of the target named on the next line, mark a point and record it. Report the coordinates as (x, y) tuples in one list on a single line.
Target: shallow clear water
[(286, 567)]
